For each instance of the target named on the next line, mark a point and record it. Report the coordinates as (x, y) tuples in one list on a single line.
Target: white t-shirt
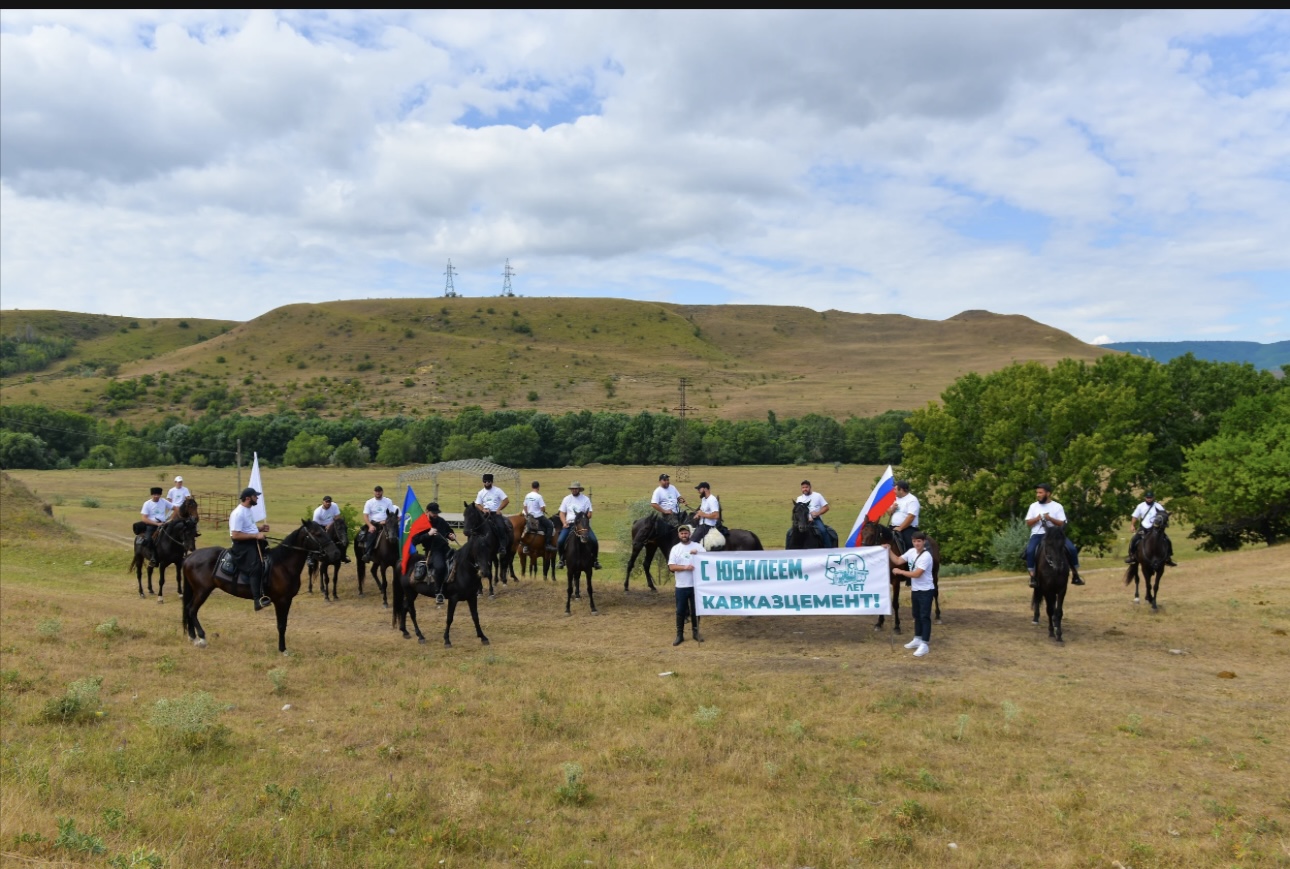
[(157, 510), (683, 554), (490, 499), (534, 504), (177, 495), (1052, 509), (1147, 513), (242, 520), (914, 561), (378, 509), (572, 505), (815, 501), (710, 504), (666, 498), (905, 507), (324, 516)]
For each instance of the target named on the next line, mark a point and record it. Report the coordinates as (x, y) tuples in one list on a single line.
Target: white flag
[(259, 512)]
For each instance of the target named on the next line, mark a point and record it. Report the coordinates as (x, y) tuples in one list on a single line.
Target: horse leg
[(137, 566), (161, 583), (568, 597), (471, 601), (936, 598), (1034, 604), (313, 569), (1061, 597), (196, 632), (361, 566), (651, 548), (150, 578), (281, 610), (591, 598), (895, 608), (631, 562), (410, 608), (1153, 590)]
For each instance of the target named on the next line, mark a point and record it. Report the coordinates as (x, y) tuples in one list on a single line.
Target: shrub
[(80, 703), (49, 629), (351, 454), (278, 677), (139, 857), (92, 503), (1008, 547), (574, 790), (71, 840), (191, 720), (108, 629)]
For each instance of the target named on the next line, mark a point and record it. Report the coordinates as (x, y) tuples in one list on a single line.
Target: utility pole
[(682, 472), (507, 274), (239, 465), (449, 291)]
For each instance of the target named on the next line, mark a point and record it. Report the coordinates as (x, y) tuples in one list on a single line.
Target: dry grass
[(407, 356), (801, 741)]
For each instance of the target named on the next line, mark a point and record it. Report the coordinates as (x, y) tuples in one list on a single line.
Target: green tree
[(306, 450), (516, 446), (993, 438), (135, 452), (1240, 479), (395, 447), (461, 446), (351, 454), (20, 449)]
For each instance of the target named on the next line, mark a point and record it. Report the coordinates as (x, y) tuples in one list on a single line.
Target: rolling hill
[(388, 356), (1266, 356)]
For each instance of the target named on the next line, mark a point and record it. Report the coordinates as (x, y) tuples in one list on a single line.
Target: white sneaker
[(922, 650), (914, 643)]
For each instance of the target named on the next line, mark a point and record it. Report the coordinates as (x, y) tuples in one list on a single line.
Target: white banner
[(823, 582), (260, 511)]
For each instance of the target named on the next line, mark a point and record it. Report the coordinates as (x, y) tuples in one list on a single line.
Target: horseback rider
[(1047, 511), (666, 500), (535, 506), (247, 553), (575, 503), (325, 514), (178, 493), (155, 512), (435, 540), (904, 516), (492, 500), (708, 514), (1148, 513), (376, 512), (818, 506)]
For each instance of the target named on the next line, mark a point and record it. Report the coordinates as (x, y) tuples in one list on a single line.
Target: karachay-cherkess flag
[(414, 521)]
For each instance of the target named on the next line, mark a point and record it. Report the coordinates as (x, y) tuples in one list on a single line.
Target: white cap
[(179, 479)]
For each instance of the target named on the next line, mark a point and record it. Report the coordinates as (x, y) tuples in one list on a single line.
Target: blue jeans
[(564, 534), (922, 601), (684, 603), (818, 524), (1032, 549)]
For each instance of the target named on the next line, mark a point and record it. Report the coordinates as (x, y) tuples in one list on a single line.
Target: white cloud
[(1103, 172)]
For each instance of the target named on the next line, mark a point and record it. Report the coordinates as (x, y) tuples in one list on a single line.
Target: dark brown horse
[(464, 580), (1151, 555), (338, 531), (530, 544), (580, 553), (1052, 573), (173, 541), (202, 576), (656, 536), (875, 534), (802, 533), (386, 555)]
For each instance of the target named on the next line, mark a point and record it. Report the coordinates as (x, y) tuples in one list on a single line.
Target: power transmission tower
[(507, 274), (682, 472), (449, 291)]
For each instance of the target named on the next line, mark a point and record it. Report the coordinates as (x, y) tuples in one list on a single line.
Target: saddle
[(226, 568), (714, 540)]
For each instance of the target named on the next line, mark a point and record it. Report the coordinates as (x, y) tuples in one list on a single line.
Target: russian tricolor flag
[(880, 501)]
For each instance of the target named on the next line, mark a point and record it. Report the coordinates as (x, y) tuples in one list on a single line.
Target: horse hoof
[(595, 612), (484, 640), (200, 642), (447, 645), (938, 621), (422, 640), (1135, 600), (161, 600), (1032, 621), (142, 596)]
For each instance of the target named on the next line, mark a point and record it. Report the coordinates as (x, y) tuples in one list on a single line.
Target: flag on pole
[(880, 501), (260, 511), (412, 522)]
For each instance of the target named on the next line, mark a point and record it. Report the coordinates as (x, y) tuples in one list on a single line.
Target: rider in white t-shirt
[(666, 500), (376, 512), (904, 516), (1047, 511), (535, 506), (573, 504), (708, 514), (1148, 513)]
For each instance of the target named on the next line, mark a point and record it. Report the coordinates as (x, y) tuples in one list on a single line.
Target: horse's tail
[(136, 563), (1131, 573)]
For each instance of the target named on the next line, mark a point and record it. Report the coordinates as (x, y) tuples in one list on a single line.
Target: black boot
[(257, 592), (698, 637), (1075, 580), (1032, 580), (680, 631)]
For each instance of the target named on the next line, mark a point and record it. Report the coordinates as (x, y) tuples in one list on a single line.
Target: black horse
[(876, 534), (655, 535), (386, 555), (173, 541), (736, 540), (1151, 556), (580, 554), (1052, 572), (500, 533), (802, 533), (456, 581), (338, 531), (287, 560)]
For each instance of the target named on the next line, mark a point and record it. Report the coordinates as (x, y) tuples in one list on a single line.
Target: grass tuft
[(71, 840), (49, 629), (191, 721), (574, 790), (108, 629), (81, 703)]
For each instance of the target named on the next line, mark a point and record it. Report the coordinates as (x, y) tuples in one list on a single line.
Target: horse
[(338, 531), (478, 523), (175, 539), (1052, 572), (876, 534), (580, 555), (386, 554), (654, 534), (802, 533), (462, 581), (530, 543), (736, 540), (1151, 555), (287, 560)]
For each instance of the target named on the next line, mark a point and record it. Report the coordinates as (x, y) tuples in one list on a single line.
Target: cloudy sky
[(1118, 175)]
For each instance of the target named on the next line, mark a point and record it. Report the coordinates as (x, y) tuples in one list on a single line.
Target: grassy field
[(389, 356), (1147, 740)]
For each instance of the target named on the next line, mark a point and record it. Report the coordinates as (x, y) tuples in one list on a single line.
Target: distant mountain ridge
[(1269, 356)]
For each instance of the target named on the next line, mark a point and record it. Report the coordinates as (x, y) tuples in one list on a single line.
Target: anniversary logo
[(841, 582)]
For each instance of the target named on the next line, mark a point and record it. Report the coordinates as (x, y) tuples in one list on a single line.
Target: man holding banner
[(681, 562), (916, 566)]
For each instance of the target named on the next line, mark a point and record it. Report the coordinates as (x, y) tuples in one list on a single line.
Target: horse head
[(190, 535), (318, 540), (188, 509), (1052, 549), (875, 534), (801, 516)]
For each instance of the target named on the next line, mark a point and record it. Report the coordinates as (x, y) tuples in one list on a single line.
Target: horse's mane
[(291, 541)]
